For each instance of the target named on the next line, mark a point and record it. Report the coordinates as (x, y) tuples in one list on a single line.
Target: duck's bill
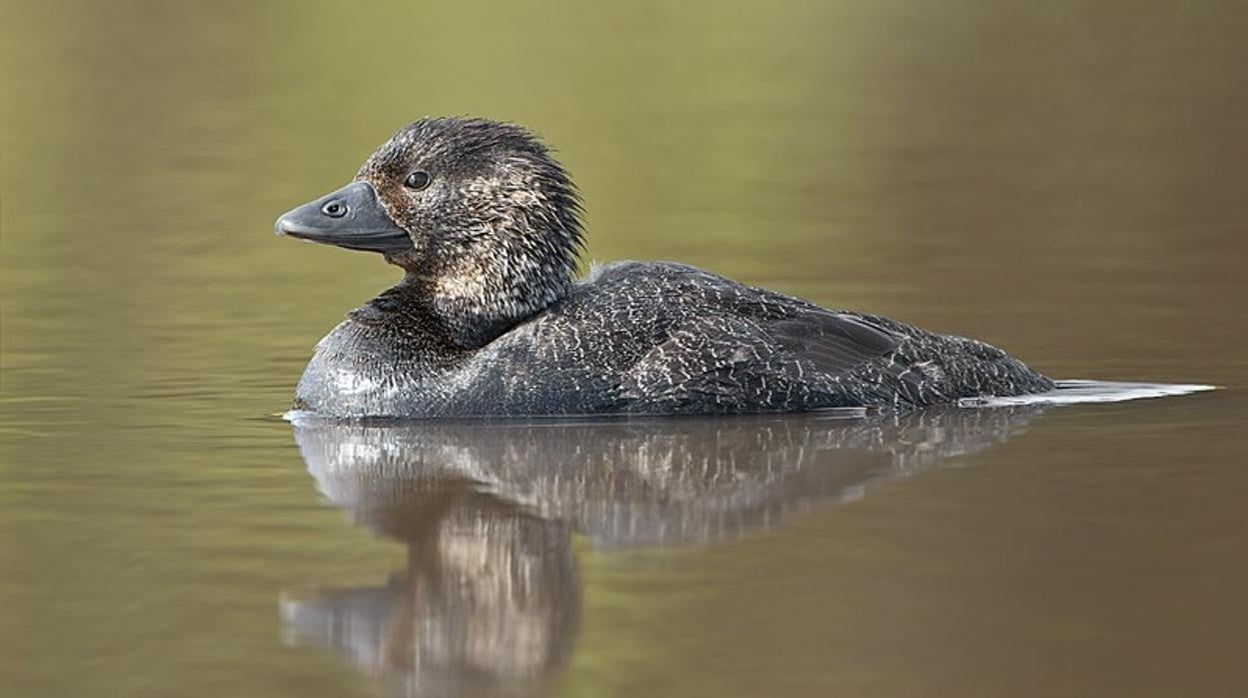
[(351, 217)]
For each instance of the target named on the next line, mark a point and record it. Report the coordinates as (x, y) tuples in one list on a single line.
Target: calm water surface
[(1068, 180)]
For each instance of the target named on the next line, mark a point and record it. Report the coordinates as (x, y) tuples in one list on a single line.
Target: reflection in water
[(490, 600)]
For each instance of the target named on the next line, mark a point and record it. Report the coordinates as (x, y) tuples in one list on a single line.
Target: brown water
[(1068, 180)]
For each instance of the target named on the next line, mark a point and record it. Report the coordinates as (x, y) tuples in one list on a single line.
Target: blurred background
[(1068, 180)]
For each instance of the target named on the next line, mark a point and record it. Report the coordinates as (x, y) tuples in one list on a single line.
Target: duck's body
[(488, 322), (650, 338)]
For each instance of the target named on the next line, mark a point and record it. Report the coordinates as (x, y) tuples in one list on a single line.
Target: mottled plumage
[(488, 320)]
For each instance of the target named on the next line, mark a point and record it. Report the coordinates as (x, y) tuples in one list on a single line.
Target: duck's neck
[(451, 313)]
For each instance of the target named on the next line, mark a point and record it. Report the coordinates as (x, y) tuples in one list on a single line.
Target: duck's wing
[(833, 343), (736, 363)]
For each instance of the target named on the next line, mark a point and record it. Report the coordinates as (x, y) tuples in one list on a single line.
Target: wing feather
[(833, 342)]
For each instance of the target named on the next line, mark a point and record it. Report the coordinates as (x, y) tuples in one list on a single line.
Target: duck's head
[(477, 212)]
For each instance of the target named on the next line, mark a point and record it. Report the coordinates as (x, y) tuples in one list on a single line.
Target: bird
[(490, 319)]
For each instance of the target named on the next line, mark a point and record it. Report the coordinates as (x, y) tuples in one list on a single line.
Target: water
[(1067, 180)]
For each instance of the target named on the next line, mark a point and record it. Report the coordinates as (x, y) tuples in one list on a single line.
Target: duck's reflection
[(490, 601)]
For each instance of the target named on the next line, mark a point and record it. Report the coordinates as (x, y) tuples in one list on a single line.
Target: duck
[(490, 319)]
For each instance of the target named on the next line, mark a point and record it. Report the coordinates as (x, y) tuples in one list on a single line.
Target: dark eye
[(417, 180)]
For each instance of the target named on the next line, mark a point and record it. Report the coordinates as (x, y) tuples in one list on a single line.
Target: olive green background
[(1068, 180)]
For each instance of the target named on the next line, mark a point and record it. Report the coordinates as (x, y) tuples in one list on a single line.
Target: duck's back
[(662, 338)]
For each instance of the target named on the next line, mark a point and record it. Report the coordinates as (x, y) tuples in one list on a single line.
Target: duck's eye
[(417, 180)]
